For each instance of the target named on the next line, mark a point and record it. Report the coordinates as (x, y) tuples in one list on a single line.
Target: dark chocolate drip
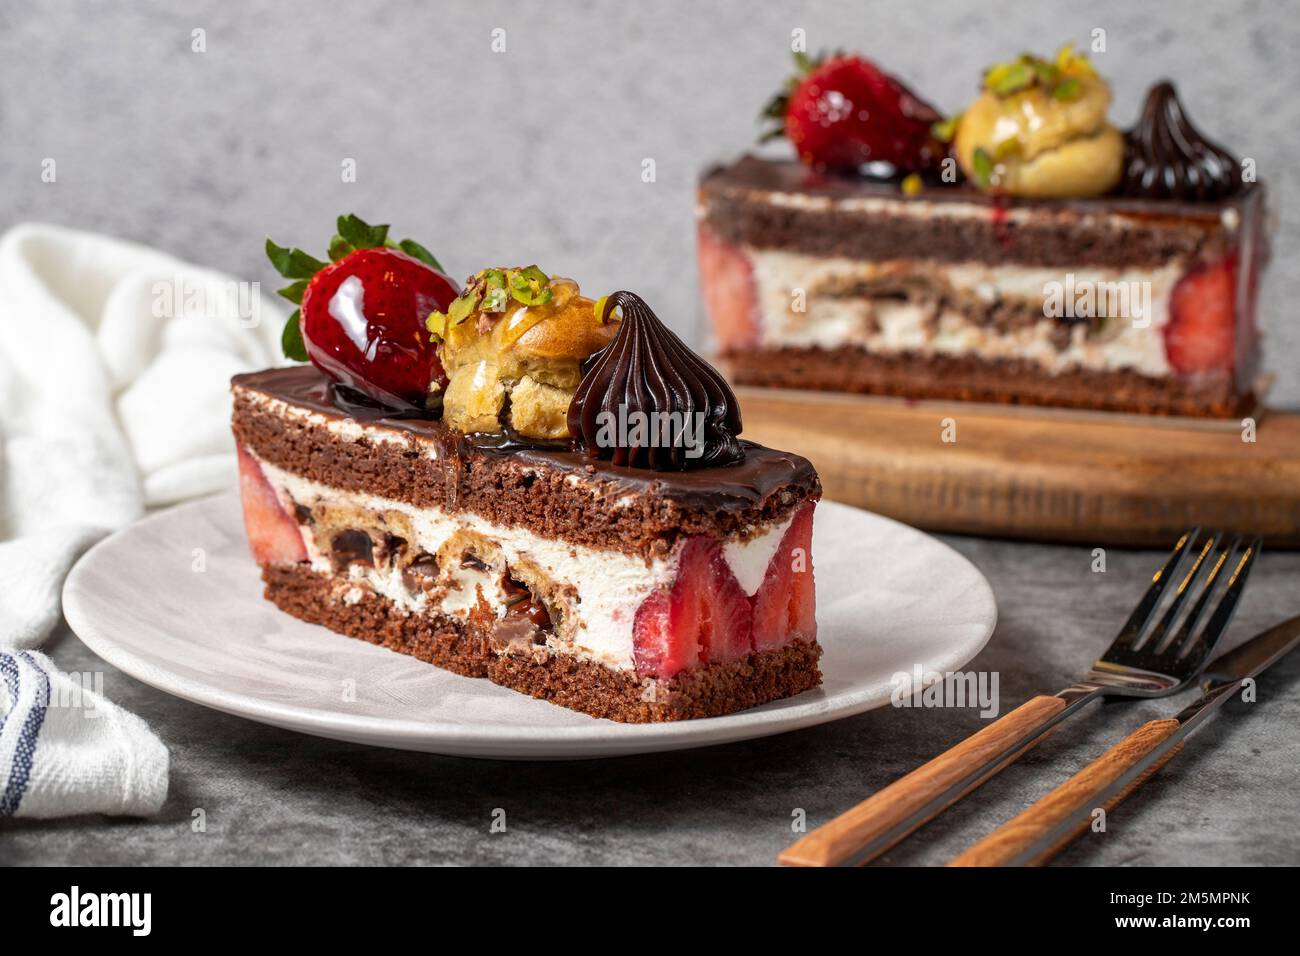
[(1166, 157), (617, 411), (359, 405)]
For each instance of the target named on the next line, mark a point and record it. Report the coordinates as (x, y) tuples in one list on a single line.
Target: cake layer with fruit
[(500, 521), (1025, 251)]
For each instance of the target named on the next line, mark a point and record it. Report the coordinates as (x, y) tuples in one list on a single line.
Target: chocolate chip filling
[(472, 562), (351, 547), (391, 548), (421, 573), (522, 605)]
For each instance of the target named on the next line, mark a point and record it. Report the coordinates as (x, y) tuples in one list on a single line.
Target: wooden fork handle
[(1008, 841), (867, 830)]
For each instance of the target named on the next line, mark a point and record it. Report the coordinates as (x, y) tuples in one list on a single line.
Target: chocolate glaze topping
[(645, 372), (1166, 157), (754, 179), (762, 472)]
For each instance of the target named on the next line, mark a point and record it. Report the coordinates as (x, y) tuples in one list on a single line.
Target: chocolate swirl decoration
[(1166, 157), (648, 369)]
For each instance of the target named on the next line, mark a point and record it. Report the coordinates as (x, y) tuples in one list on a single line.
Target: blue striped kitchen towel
[(65, 750), (150, 343)]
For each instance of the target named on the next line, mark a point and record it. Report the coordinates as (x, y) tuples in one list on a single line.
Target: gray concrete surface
[(536, 153), (272, 796)]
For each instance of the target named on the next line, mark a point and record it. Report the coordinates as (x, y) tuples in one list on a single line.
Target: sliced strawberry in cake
[(273, 536), (727, 284), (704, 616), (1201, 336), (785, 607)]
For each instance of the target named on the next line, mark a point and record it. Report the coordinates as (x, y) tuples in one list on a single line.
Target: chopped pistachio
[(1059, 76), (1008, 78), (983, 164), (462, 307), (1005, 148), (1046, 73), (529, 286), (436, 323), (1068, 61), (1067, 89), (495, 296), (945, 130)]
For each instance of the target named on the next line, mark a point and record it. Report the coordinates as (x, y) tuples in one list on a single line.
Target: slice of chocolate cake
[(1071, 265), (638, 572)]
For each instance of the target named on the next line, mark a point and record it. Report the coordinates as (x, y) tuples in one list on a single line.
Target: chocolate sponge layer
[(968, 378), (287, 418), (466, 648), (766, 204)]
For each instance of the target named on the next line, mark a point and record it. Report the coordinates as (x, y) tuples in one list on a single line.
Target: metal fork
[(1144, 660)]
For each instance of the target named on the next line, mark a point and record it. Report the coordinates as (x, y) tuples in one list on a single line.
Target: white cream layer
[(891, 327), (611, 585), (748, 560)]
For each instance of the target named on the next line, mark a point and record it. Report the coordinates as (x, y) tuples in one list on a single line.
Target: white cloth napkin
[(115, 363)]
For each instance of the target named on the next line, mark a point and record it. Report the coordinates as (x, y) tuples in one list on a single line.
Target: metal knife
[(1048, 826)]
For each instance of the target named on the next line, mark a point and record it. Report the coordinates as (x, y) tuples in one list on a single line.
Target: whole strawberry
[(361, 316), (845, 114)]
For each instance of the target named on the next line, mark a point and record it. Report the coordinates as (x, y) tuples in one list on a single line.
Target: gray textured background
[(535, 154)]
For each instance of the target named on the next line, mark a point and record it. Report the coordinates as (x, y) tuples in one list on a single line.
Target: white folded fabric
[(115, 362), (68, 751)]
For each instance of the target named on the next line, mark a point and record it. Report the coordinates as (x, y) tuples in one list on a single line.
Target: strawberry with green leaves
[(361, 316), (844, 114)]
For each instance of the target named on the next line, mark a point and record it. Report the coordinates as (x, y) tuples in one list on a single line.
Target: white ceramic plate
[(176, 601)]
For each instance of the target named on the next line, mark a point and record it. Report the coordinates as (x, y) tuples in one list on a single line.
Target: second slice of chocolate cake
[(1069, 264)]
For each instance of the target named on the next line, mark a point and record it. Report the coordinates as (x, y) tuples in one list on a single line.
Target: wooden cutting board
[(1040, 473)]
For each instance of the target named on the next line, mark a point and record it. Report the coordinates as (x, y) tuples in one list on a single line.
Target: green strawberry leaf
[(340, 247), (292, 263), (773, 114), (291, 339), (279, 257), (360, 234), (417, 251), (294, 291)]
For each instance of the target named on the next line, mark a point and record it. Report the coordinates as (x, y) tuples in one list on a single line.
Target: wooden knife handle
[(844, 837), (1009, 840)]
